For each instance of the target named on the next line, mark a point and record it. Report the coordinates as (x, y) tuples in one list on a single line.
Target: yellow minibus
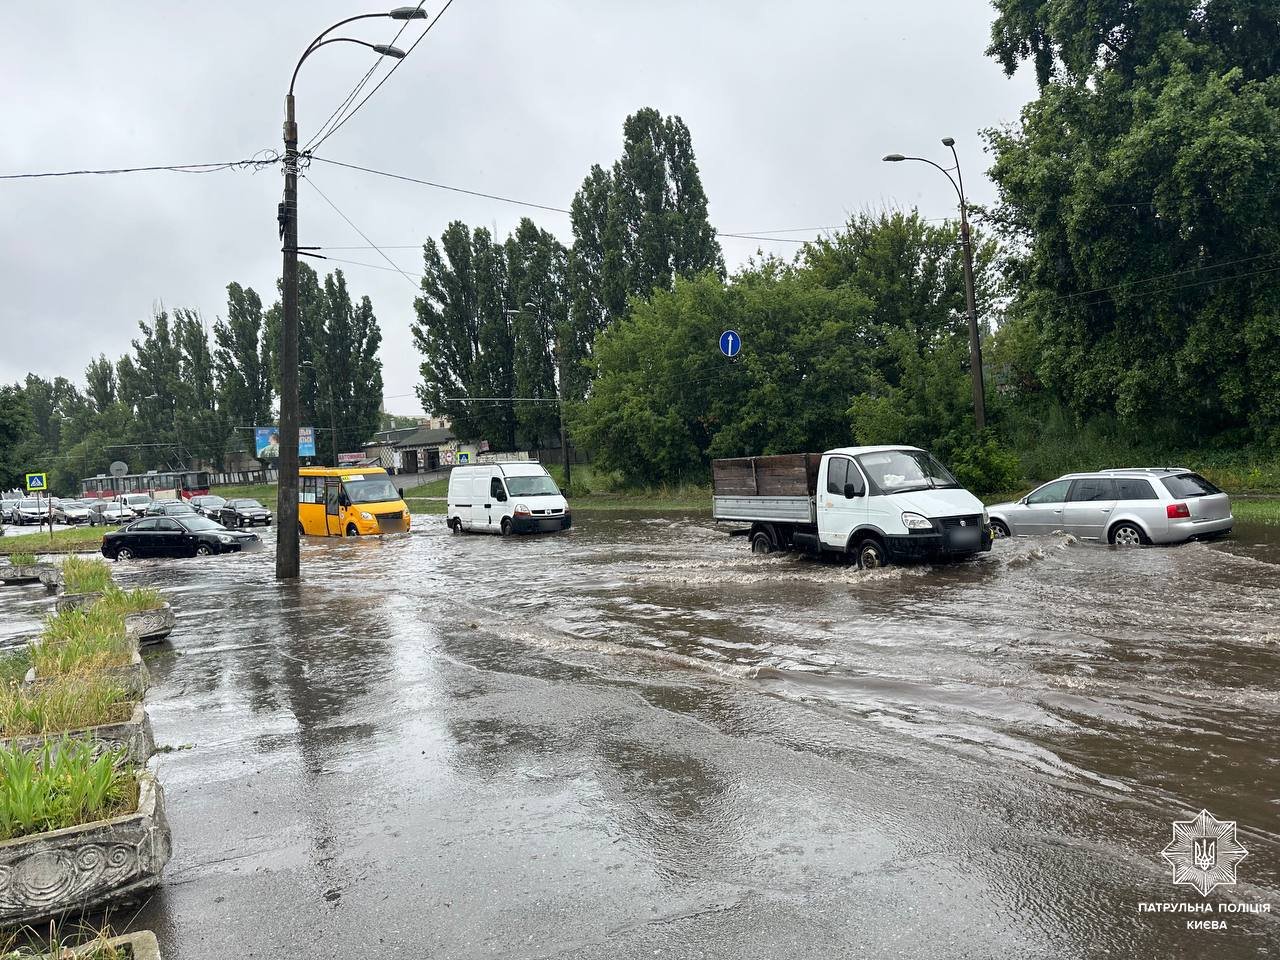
[(349, 502)]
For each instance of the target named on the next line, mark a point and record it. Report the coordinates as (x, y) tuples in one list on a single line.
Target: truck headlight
[(522, 510), (913, 521), (364, 515)]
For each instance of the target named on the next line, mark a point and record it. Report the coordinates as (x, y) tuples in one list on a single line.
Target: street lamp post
[(975, 342), (287, 483)]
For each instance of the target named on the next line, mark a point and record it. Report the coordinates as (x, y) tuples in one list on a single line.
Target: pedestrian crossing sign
[(36, 481)]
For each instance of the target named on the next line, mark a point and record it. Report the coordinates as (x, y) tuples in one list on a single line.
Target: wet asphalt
[(635, 739)]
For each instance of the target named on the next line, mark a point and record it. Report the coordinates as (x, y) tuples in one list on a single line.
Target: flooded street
[(637, 739)]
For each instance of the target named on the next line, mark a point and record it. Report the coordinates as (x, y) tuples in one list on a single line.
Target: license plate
[(965, 538)]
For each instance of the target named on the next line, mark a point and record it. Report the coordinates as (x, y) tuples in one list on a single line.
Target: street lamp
[(975, 342), (287, 484)]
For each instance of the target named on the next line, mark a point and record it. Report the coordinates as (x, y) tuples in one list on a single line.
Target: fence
[(242, 478)]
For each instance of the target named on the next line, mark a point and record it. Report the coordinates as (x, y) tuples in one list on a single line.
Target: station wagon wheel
[(1127, 535), (124, 553), (999, 530), (761, 544), (871, 555)]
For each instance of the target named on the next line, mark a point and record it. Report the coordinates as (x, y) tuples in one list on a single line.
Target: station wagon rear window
[(1135, 490), (1186, 485)]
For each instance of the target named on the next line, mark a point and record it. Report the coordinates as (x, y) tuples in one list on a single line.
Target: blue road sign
[(730, 343), (36, 481)]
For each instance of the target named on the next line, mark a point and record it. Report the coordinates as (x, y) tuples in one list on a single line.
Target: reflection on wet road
[(637, 738)]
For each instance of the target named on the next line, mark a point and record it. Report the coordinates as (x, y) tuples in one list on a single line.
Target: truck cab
[(874, 504)]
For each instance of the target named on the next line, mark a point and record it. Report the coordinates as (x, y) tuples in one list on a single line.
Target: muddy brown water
[(637, 737)]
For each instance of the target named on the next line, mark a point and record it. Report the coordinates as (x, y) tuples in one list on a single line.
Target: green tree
[(100, 376), (349, 373), (1139, 192), (640, 226), (19, 443), (537, 266), (242, 361), (201, 427), (664, 402)]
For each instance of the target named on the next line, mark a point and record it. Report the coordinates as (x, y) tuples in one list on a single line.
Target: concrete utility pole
[(564, 433), (975, 341), (287, 482)]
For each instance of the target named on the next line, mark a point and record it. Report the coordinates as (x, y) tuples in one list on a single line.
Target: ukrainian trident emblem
[(1204, 852)]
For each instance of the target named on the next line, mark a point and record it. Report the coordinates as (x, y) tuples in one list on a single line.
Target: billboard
[(266, 442)]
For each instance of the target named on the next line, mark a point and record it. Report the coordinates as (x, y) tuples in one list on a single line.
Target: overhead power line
[(255, 162), (326, 199), (396, 66)]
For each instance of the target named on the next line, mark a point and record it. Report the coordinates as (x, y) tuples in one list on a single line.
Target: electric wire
[(255, 162), (326, 199), (355, 91), (390, 73)]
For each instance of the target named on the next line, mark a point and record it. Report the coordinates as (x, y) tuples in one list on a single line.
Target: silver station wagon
[(1125, 507)]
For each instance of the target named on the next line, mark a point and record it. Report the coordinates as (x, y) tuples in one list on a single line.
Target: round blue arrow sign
[(730, 343)]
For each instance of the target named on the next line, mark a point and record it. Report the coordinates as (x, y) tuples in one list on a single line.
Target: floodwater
[(636, 739)]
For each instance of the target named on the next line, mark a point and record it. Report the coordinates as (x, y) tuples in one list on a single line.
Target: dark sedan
[(243, 513), (208, 505), (182, 536), (171, 508)]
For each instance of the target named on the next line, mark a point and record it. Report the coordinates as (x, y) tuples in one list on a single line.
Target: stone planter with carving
[(132, 677), (46, 573), (150, 626), (87, 867), (74, 601), (140, 946), (134, 736)]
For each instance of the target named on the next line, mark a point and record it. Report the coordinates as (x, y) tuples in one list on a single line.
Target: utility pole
[(287, 215), (564, 433), (287, 473), (975, 340)]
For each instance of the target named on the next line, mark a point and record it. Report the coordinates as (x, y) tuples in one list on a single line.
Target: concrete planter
[(74, 601), (45, 573), (87, 867), (133, 736), (150, 626), (132, 677)]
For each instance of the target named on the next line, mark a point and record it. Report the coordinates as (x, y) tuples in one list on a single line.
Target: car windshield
[(247, 505), (179, 508), (372, 490), (198, 524), (208, 501), (31, 505), (897, 471), (542, 486)]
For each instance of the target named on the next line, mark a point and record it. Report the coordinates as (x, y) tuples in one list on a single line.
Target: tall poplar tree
[(242, 361)]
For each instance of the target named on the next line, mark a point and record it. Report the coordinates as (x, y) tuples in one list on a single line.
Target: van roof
[(881, 448)]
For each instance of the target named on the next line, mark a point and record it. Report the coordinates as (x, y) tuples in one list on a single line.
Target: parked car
[(873, 505), (170, 508), (135, 503), (6, 510), (107, 512), (1125, 507), (207, 505), (505, 498), (70, 512), (243, 513), (182, 536), (31, 510)]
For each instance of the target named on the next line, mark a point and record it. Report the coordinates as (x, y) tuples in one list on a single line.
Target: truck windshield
[(532, 487), (897, 471), (373, 490)]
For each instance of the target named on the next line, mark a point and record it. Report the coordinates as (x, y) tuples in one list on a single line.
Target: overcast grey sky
[(791, 108)]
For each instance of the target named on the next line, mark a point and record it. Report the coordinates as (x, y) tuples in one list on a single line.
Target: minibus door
[(333, 507)]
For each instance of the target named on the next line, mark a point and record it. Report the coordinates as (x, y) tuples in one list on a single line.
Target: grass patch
[(74, 540), (81, 642), (85, 575), (69, 704), (22, 559), (53, 941), (433, 488), (264, 493), (14, 665), (51, 789), (590, 490), (117, 601), (1258, 509)]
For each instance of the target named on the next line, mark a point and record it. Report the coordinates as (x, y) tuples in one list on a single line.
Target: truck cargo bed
[(778, 488)]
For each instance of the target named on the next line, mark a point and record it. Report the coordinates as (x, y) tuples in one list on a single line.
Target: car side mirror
[(851, 491)]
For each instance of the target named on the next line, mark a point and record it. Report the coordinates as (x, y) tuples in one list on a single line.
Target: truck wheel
[(455, 524), (871, 555), (761, 544), (506, 526)]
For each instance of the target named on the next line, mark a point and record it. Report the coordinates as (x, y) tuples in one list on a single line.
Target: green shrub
[(85, 575), (57, 787), (80, 642), (22, 559), (117, 601), (984, 466), (68, 704)]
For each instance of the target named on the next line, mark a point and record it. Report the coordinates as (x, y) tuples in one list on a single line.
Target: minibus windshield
[(542, 486), (372, 490)]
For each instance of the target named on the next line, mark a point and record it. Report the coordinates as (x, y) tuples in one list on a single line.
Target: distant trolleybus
[(349, 502), (181, 483)]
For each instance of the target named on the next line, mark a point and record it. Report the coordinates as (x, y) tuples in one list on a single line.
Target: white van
[(506, 498)]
